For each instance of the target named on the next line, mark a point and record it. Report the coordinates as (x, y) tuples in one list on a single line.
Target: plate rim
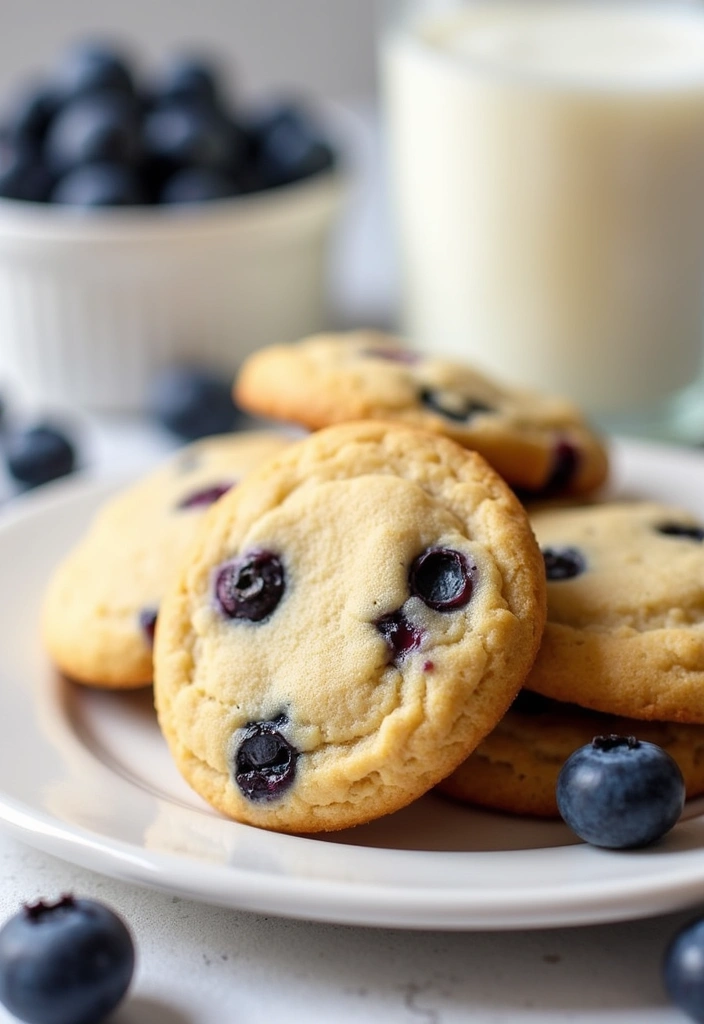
[(332, 900)]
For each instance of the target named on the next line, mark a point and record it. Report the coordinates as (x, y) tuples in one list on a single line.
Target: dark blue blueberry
[(38, 454), (93, 129), (287, 145), (198, 185), (90, 67), (188, 78), (184, 136), (30, 114), (22, 175), (264, 761), (401, 635), (102, 184), (404, 356), (453, 405), (563, 563), (683, 530), (250, 587), (192, 403), (147, 623), (620, 792), (205, 497), (683, 969), (69, 962), (442, 579), (566, 460)]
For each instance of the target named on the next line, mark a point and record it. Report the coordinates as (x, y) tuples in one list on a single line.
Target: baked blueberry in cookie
[(625, 629), (101, 608), (541, 445), (352, 620)]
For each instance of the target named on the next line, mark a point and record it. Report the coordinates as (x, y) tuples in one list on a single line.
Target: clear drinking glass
[(547, 178)]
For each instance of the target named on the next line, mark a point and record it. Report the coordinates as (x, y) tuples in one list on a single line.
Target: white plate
[(85, 775)]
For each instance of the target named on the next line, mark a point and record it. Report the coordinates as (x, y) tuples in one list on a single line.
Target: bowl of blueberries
[(151, 220)]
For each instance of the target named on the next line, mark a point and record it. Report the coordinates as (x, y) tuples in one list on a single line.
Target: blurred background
[(319, 46)]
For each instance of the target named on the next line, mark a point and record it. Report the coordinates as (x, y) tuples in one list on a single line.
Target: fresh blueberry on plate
[(39, 454), (99, 184), (69, 962), (683, 969), (192, 402), (620, 792)]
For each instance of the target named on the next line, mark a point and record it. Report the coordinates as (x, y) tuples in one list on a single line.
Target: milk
[(547, 169)]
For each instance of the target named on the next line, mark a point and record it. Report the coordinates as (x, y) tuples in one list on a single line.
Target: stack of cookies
[(349, 625)]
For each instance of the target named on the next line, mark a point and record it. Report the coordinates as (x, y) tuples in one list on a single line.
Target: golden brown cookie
[(538, 444), (625, 630), (101, 605), (351, 622), (515, 768)]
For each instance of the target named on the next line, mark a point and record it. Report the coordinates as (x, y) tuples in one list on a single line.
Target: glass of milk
[(547, 175)]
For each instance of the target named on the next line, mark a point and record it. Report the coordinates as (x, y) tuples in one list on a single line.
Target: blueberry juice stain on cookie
[(443, 580)]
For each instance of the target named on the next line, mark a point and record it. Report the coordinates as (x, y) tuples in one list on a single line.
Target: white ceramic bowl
[(93, 303)]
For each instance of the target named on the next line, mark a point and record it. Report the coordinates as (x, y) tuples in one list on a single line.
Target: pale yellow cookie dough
[(626, 635), (118, 572), (534, 441), (515, 768), (366, 728)]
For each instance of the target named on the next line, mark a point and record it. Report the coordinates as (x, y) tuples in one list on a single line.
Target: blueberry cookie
[(352, 621), (100, 609), (537, 444), (515, 768), (625, 630)]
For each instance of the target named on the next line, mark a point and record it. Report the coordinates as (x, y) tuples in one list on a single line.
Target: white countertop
[(204, 965)]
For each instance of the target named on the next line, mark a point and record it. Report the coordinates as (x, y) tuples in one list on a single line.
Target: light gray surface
[(323, 47), (203, 965)]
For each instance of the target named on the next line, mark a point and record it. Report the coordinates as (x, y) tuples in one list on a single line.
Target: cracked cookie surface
[(625, 629), (537, 443), (353, 620), (101, 606)]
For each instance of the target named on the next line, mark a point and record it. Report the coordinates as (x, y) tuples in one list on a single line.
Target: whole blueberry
[(264, 761), (69, 962), (683, 969), (92, 66), (39, 454), (292, 149), (30, 113), (93, 129), (188, 78), (100, 184), (22, 174), (620, 792), (286, 145), (192, 403), (187, 136), (198, 185)]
